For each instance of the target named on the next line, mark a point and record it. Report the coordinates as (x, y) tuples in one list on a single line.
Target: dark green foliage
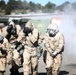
[(2, 4), (19, 6)]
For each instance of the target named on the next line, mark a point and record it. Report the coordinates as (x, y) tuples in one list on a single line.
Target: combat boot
[(49, 71), (54, 72), (26, 73), (1, 73)]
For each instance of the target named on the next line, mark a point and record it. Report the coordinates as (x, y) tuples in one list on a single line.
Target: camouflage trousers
[(30, 64), (2, 65), (53, 64), (13, 60)]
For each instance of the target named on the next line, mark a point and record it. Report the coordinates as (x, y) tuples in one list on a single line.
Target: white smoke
[(69, 8), (68, 28)]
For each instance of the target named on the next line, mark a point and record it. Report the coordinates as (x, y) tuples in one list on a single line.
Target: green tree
[(8, 10), (25, 5), (38, 7), (32, 6), (2, 4), (19, 4), (49, 7), (64, 6), (11, 5)]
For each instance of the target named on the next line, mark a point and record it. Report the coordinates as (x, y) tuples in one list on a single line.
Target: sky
[(43, 2)]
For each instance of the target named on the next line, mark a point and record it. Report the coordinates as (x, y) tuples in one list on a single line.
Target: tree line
[(25, 7)]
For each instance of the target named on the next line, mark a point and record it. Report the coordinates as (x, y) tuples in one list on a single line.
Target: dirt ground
[(64, 70)]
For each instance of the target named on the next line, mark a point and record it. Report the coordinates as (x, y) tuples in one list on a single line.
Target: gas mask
[(26, 30), (9, 28), (52, 32), (14, 32)]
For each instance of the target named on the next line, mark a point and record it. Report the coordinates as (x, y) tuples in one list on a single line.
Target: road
[(64, 70)]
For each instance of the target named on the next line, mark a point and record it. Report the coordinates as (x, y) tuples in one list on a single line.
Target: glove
[(53, 54)]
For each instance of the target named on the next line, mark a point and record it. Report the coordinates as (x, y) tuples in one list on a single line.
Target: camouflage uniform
[(5, 31), (54, 46), (3, 54), (30, 53), (16, 55), (3, 51), (13, 56), (16, 62)]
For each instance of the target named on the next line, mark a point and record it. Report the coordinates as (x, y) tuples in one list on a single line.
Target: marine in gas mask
[(54, 46), (52, 30)]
